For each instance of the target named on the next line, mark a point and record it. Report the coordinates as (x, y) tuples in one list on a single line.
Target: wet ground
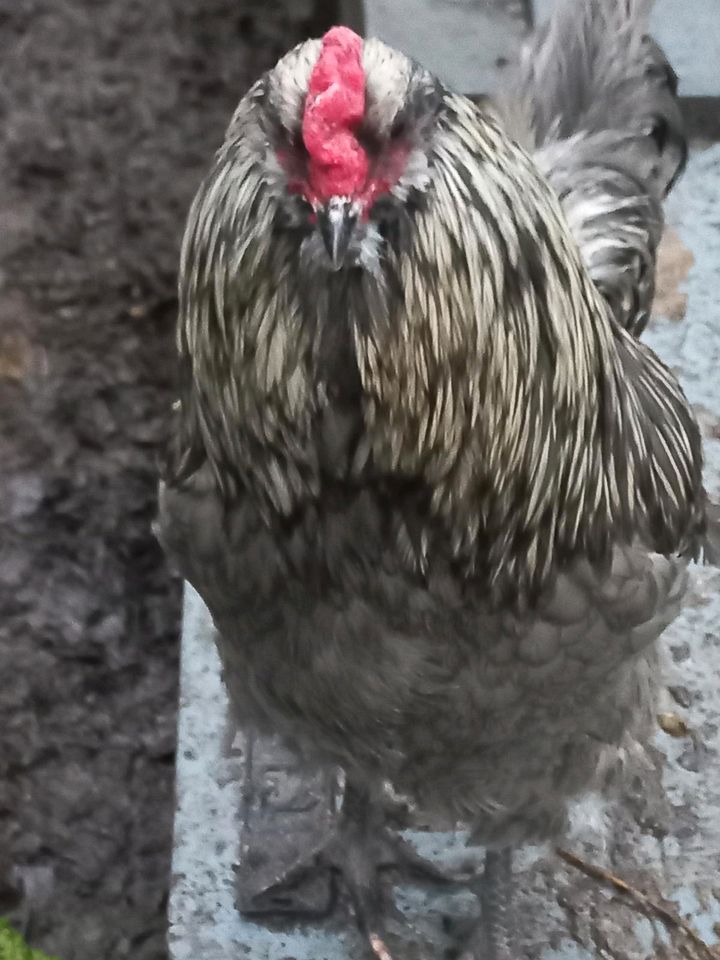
[(109, 111)]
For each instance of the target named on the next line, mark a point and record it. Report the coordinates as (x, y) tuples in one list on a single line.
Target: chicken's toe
[(362, 850)]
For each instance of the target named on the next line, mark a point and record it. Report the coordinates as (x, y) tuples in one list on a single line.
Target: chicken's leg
[(362, 848), (491, 937)]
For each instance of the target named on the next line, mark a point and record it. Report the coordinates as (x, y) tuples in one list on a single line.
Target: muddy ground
[(109, 112)]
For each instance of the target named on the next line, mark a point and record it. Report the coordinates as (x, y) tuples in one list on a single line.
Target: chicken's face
[(352, 129)]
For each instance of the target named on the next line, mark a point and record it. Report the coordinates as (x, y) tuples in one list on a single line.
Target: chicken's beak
[(337, 220)]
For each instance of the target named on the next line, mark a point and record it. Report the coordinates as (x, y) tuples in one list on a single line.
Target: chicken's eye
[(399, 128), (297, 145), (370, 141)]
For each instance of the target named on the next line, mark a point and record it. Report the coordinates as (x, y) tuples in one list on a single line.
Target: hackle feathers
[(500, 377), (492, 372)]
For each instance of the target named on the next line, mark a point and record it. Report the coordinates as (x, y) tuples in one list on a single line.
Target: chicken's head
[(350, 125)]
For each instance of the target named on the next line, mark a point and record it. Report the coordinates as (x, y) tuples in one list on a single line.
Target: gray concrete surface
[(467, 43), (667, 845)]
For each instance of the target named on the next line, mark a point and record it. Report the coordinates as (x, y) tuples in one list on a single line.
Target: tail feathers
[(616, 222), (644, 103), (583, 52), (593, 68), (598, 108)]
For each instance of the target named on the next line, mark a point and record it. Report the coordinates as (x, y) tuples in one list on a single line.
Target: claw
[(377, 945)]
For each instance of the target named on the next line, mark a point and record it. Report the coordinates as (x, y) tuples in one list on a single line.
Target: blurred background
[(109, 113)]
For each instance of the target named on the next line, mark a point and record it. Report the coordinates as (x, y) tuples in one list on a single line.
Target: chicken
[(438, 499)]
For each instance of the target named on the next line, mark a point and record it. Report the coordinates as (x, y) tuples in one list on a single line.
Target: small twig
[(649, 907)]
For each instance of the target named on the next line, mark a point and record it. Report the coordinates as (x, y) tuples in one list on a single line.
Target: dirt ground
[(109, 112)]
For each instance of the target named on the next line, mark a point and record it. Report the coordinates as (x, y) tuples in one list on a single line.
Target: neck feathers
[(488, 367), (499, 376)]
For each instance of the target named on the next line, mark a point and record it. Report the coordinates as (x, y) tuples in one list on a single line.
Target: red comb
[(333, 110)]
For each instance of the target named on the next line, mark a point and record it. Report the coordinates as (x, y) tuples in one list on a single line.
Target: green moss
[(13, 947)]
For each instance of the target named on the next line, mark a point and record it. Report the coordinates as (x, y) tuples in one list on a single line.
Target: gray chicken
[(438, 498)]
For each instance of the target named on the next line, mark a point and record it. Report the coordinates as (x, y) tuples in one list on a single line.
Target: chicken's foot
[(360, 851)]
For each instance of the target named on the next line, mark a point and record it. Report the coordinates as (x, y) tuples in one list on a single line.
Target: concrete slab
[(667, 848), (212, 775), (467, 43)]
